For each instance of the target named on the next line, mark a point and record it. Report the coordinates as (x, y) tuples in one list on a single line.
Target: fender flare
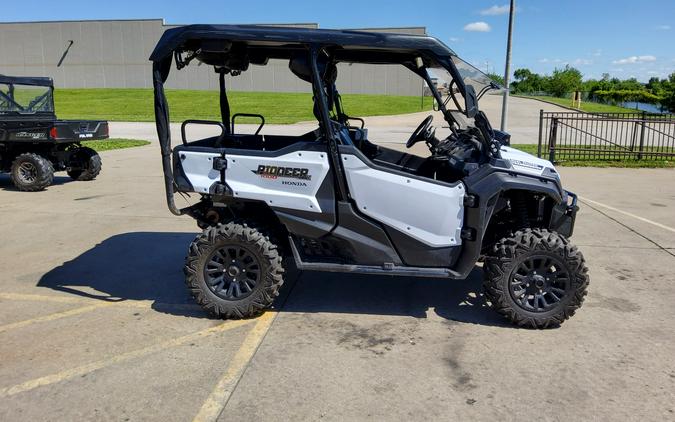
[(484, 189)]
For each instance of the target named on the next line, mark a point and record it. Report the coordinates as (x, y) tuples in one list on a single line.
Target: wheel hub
[(27, 172), (233, 270)]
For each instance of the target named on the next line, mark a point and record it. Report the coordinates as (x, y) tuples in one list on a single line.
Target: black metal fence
[(573, 136)]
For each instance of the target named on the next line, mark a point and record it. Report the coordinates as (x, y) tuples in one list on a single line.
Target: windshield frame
[(475, 77)]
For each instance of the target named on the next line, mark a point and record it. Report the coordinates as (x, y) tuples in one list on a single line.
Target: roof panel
[(176, 37)]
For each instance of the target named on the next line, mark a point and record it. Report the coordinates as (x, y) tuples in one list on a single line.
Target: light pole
[(507, 70)]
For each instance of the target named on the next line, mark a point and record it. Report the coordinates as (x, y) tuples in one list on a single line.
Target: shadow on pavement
[(149, 266), (130, 266), (457, 300)]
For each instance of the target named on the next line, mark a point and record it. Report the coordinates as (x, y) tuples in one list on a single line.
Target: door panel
[(431, 213)]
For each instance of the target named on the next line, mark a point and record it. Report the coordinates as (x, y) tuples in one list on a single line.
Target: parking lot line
[(39, 298), (141, 304), (94, 366), (216, 402), (637, 217), (54, 316)]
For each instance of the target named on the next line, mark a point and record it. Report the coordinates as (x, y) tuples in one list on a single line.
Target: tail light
[(53, 133)]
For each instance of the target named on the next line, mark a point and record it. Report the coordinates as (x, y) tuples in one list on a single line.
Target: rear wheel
[(86, 164), (535, 278), (233, 271), (31, 172)]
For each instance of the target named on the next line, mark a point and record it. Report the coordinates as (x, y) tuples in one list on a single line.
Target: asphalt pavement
[(96, 323)]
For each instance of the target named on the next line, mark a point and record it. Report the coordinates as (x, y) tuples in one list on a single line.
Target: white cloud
[(635, 59), (495, 10), (663, 27), (583, 62), (597, 52), (477, 27), (454, 39), (547, 60)]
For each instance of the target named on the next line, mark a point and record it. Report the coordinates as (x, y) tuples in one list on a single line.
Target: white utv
[(331, 200)]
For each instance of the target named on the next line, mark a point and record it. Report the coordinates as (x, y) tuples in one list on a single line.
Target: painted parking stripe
[(39, 298), (54, 316), (216, 402), (94, 366), (637, 217), (130, 303)]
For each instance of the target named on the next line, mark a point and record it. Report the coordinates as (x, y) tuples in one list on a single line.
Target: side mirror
[(470, 102)]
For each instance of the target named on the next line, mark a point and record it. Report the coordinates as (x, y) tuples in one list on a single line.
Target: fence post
[(552, 140), (541, 128), (642, 136)]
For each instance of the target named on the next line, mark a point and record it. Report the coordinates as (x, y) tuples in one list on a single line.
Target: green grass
[(587, 107), (136, 105), (579, 162), (114, 143)]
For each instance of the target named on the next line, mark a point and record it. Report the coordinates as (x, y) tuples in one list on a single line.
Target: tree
[(527, 82), (669, 95), (564, 81), (522, 74)]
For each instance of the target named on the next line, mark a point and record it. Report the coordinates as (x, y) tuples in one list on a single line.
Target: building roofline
[(87, 20)]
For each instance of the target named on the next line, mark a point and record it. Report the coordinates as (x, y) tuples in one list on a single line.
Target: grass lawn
[(113, 143), (627, 163), (587, 107), (136, 105)]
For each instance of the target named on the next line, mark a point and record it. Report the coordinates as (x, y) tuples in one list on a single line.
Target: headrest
[(300, 66)]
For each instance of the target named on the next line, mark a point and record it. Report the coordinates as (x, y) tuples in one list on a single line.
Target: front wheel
[(535, 278), (86, 164), (233, 271)]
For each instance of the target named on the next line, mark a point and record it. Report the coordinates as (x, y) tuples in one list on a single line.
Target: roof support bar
[(224, 103), (326, 126)]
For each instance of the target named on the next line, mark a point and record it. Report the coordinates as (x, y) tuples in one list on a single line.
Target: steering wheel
[(422, 133)]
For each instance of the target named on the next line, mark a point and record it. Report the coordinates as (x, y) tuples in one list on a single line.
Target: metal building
[(114, 54)]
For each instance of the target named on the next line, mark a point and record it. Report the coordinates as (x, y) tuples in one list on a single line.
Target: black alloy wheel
[(232, 272), (539, 283)]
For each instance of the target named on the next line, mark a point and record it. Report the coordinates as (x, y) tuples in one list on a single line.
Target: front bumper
[(564, 214)]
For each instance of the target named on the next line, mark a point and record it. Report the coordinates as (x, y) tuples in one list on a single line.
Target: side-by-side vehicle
[(335, 200), (34, 143)]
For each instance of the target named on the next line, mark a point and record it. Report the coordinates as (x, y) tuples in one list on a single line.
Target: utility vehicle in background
[(34, 144), (333, 200)]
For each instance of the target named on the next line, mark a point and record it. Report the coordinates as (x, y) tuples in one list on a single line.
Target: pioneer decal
[(31, 135), (526, 164), (274, 172)]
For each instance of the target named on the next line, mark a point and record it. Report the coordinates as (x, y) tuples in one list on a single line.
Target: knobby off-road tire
[(31, 172), (233, 270), (89, 164), (535, 278)]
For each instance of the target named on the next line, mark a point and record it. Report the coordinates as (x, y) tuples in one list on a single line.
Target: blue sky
[(623, 38)]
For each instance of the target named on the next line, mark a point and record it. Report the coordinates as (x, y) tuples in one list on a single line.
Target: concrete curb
[(550, 102)]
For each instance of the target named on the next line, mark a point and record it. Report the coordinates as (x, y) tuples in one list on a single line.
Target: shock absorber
[(519, 209)]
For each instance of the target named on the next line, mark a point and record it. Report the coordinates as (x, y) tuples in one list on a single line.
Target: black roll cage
[(404, 50)]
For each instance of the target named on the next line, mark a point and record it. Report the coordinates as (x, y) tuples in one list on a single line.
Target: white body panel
[(524, 162), (198, 167), (277, 190), (428, 212)]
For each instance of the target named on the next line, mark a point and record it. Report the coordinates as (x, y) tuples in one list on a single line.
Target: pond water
[(649, 108)]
